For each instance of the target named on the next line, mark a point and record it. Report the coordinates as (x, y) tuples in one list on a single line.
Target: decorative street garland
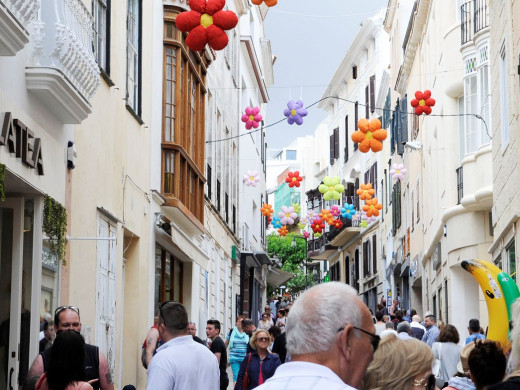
[(2, 182), (55, 227)]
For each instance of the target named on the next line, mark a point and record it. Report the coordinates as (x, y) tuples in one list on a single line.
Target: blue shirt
[(269, 365), (475, 337), (431, 335), (237, 349)]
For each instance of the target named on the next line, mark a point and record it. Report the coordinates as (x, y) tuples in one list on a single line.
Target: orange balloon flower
[(269, 3), (370, 135), (365, 191), (372, 207), (283, 231), (326, 216), (267, 210)]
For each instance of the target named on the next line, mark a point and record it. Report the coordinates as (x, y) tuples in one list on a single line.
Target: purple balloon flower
[(295, 112)]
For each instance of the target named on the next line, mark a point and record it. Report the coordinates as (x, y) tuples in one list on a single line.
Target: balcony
[(63, 72), (14, 16), (474, 17)]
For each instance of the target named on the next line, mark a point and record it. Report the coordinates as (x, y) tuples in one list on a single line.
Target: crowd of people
[(327, 339)]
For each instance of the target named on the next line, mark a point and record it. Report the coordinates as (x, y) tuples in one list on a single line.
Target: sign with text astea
[(19, 139)]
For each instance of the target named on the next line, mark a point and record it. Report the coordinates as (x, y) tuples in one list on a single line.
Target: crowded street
[(259, 194)]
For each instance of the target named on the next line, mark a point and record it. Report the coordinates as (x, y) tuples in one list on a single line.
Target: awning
[(276, 277), (262, 258), (250, 260)]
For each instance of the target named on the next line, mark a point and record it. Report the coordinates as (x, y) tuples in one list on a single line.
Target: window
[(168, 277), (234, 219), (504, 109), (418, 202), (356, 119), (446, 319), (460, 185), (347, 270), (208, 176), (290, 154), (462, 120), (226, 207), (183, 134), (334, 146), (374, 254), (101, 33), (133, 56), (396, 209), (366, 258), (218, 195), (354, 72), (346, 139), (470, 97), (510, 254), (367, 101), (485, 98), (372, 93)]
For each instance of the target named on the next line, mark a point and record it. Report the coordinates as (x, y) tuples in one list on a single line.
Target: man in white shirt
[(181, 363), (332, 353), (417, 330)]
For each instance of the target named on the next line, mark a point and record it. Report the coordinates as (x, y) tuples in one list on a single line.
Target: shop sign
[(19, 139)]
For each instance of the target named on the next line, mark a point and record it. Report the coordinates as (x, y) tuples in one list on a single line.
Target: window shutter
[(331, 149), (399, 131), (374, 254), (404, 120), (398, 204), (367, 95), (336, 143), (365, 258), (356, 196), (356, 119), (354, 72), (346, 139), (372, 93)]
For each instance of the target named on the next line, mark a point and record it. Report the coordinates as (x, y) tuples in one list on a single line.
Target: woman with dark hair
[(66, 369), (447, 350)]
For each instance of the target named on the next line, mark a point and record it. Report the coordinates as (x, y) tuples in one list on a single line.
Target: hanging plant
[(2, 182), (55, 227)]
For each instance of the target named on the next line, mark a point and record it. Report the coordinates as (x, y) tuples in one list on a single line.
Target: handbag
[(437, 370), (245, 379)]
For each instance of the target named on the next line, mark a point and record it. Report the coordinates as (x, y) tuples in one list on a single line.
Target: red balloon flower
[(317, 225), (423, 102), (337, 224), (294, 179), (206, 23)]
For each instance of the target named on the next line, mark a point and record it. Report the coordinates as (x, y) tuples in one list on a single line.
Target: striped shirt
[(240, 341)]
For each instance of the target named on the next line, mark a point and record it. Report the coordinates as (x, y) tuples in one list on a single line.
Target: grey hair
[(192, 323), (416, 318), (316, 316), (403, 327)]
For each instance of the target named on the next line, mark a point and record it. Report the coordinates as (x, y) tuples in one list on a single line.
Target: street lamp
[(293, 244)]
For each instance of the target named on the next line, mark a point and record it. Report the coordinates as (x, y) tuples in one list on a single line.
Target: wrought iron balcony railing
[(474, 16)]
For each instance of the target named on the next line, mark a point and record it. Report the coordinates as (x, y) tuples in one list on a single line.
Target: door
[(11, 270), (106, 287)]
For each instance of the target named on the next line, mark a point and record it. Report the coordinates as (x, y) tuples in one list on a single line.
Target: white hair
[(416, 318), (316, 316)]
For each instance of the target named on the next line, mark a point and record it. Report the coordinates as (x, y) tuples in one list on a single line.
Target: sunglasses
[(262, 339), (375, 339), (61, 308), (427, 383)]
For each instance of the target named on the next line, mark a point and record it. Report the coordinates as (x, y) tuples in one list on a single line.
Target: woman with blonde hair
[(400, 364)]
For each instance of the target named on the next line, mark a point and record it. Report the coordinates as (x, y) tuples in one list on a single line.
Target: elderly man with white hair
[(331, 340)]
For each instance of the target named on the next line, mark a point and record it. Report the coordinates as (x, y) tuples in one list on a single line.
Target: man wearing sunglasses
[(331, 353), (96, 365), (180, 363)]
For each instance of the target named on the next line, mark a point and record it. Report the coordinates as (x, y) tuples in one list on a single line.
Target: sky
[(309, 39)]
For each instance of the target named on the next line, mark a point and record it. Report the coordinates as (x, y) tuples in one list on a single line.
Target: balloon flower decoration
[(369, 136), (363, 223), (287, 215), (334, 210), (337, 224), (283, 231), (269, 3), (331, 189), (306, 234), (205, 24), (372, 207), (251, 178), (423, 102), (293, 179), (252, 117), (348, 211), (277, 224), (317, 225), (267, 210), (317, 235), (297, 207), (326, 216), (295, 112), (398, 171), (301, 225), (365, 191)]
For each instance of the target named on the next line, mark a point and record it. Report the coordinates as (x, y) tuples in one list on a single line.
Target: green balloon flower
[(331, 189), (297, 207)]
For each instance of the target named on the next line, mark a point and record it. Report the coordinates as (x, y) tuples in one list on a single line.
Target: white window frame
[(504, 91), (132, 55), (471, 107), (100, 31)]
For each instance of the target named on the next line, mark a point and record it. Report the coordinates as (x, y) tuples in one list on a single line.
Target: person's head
[(462, 366), (413, 312), (239, 321), (386, 318), (67, 317), (396, 301), (274, 331), (344, 341), (440, 324), (399, 315), (67, 363), (429, 320), (416, 318), (383, 300), (260, 340), (389, 325), (487, 363), (48, 330), (400, 364), (173, 320), (448, 334), (379, 316), (248, 326), (281, 313), (266, 316), (267, 309), (474, 326), (404, 327), (213, 329), (192, 328)]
